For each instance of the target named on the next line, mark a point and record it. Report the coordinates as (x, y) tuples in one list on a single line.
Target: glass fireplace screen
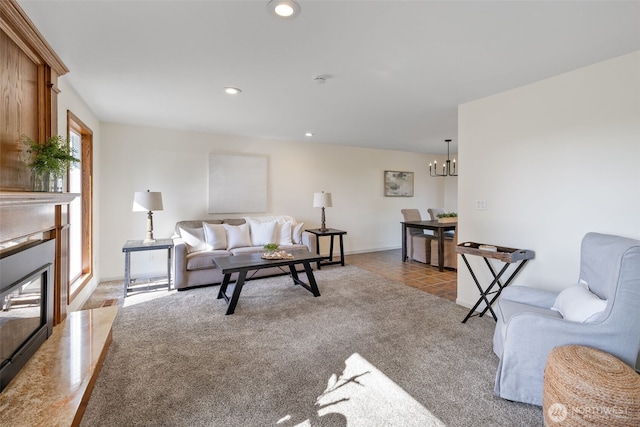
[(22, 314)]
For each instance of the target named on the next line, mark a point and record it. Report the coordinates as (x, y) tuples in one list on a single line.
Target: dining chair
[(450, 242), (434, 212), (418, 243), (450, 255)]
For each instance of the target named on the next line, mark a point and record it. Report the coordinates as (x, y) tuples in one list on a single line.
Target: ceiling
[(395, 70)]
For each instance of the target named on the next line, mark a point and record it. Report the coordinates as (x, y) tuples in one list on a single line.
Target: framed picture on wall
[(398, 184)]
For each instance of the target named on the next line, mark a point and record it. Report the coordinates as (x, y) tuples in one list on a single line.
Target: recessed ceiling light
[(232, 90), (287, 9), (308, 134)]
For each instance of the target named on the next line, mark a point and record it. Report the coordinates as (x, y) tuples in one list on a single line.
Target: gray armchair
[(528, 329)]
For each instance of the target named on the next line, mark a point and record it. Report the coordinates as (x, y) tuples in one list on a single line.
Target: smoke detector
[(320, 79)]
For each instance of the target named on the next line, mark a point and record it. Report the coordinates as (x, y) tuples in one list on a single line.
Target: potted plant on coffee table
[(271, 251), (49, 162), (270, 248)]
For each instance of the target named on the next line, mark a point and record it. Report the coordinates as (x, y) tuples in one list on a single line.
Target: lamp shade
[(147, 201), (322, 200)]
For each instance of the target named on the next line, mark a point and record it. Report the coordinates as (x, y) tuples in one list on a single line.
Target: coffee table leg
[(311, 279), (222, 293), (294, 274), (236, 292)]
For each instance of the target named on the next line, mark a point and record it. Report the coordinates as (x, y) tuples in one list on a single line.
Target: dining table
[(439, 228)]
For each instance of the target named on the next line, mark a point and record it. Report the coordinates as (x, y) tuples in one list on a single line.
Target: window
[(81, 208), (75, 211)]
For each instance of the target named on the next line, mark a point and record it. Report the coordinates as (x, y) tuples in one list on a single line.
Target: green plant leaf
[(54, 156), (270, 246)]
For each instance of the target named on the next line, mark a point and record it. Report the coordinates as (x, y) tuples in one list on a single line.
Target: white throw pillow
[(194, 239), (296, 233), (278, 218), (215, 236), (262, 232), (283, 233), (237, 236), (577, 304)]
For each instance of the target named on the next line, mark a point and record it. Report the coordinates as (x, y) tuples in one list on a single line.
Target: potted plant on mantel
[(49, 162), (448, 217)]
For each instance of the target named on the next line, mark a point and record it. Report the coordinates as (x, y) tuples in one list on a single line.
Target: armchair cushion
[(577, 304), (531, 296), (510, 308)]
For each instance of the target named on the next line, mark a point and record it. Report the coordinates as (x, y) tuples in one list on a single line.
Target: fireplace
[(26, 303)]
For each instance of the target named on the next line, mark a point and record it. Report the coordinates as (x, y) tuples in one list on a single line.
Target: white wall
[(136, 158), (449, 194), (553, 160), (68, 100)]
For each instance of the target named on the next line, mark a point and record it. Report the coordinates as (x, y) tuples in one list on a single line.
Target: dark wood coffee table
[(242, 264)]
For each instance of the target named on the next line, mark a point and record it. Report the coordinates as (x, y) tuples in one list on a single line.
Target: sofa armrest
[(179, 262), (309, 240)]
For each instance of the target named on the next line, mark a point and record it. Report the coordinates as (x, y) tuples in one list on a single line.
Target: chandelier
[(448, 168)]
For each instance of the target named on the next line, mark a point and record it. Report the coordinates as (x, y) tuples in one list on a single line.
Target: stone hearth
[(54, 387)]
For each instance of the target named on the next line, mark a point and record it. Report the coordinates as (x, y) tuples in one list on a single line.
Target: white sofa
[(197, 242)]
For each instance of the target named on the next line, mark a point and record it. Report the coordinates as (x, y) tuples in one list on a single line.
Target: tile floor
[(411, 273)]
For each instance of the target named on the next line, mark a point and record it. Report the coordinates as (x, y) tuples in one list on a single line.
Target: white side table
[(139, 245)]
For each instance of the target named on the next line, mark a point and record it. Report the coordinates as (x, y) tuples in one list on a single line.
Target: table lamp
[(322, 200), (148, 201)]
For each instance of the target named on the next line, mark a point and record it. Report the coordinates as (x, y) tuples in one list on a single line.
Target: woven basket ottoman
[(584, 386)]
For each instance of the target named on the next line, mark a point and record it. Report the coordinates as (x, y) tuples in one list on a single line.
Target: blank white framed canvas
[(237, 183)]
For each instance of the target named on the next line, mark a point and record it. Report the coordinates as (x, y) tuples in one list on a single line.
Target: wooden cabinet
[(29, 71)]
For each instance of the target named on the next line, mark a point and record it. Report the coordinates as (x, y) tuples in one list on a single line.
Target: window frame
[(77, 284)]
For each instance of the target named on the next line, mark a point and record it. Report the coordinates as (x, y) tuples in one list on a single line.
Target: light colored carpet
[(368, 352)]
